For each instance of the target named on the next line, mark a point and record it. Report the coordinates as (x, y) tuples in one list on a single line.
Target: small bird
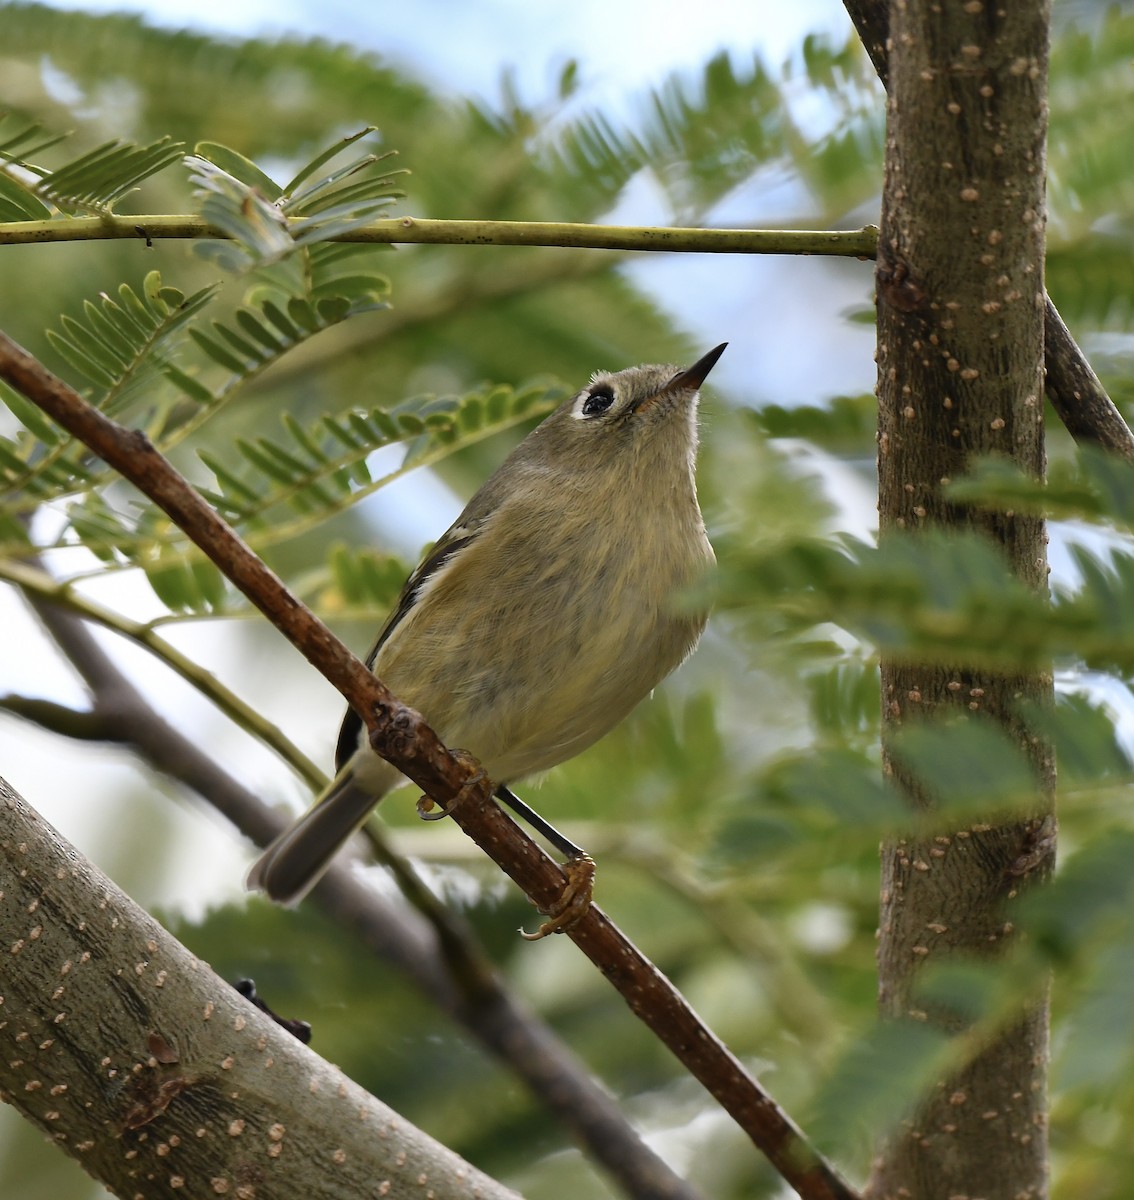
[(545, 613)]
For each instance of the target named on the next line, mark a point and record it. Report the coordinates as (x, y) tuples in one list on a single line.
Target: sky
[(624, 46)]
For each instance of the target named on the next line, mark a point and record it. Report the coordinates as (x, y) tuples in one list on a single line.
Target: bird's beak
[(692, 377), (688, 380)]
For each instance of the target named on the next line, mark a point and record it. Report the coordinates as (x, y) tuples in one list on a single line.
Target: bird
[(550, 608)]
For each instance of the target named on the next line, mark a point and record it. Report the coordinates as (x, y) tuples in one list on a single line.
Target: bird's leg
[(579, 869), (563, 844)]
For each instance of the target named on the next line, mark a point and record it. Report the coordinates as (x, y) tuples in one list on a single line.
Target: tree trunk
[(960, 299)]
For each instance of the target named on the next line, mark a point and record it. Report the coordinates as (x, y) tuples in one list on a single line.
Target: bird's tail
[(295, 861)]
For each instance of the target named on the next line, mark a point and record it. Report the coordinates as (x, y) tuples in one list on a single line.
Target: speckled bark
[(158, 1076), (960, 369)]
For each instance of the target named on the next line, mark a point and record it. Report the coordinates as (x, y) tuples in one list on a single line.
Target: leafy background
[(736, 816)]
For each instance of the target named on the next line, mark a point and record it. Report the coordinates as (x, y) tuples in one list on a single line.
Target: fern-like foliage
[(91, 183), (122, 345), (239, 198), (319, 470), (95, 181), (702, 136), (19, 140), (168, 363), (935, 597)]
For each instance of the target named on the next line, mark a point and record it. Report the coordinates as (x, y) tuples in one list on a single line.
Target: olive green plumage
[(546, 612)]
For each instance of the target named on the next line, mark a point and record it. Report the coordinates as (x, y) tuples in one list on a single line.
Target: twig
[(1072, 386), (1077, 394), (400, 735), (416, 230), (445, 962), (36, 583)]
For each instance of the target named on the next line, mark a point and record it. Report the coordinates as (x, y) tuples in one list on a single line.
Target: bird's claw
[(426, 804), (572, 905)]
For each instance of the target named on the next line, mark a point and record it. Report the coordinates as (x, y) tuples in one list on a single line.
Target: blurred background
[(735, 115)]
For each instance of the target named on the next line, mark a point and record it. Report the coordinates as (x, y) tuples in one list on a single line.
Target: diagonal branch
[(400, 736), (444, 962), (156, 1076), (1075, 391)]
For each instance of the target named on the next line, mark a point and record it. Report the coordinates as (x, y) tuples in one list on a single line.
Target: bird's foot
[(426, 804), (571, 906)]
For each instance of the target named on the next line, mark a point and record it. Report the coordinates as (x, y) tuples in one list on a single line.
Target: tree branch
[(36, 584), (400, 736), (419, 230), (1075, 391), (445, 962), (134, 1058)]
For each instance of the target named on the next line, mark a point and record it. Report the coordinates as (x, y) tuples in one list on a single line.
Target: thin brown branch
[(84, 725), (1075, 391), (400, 735), (445, 962), (1077, 394)]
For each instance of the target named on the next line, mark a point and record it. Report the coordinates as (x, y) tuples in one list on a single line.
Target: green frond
[(843, 424), (99, 178), (237, 167), (362, 578), (102, 530), (322, 469), (701, 136), (1090, 279), (1093, 486), (1091, 133), (18, 201), (256, 226), (139, 349), (238, 197), (30, 416), (844, 699), (122, 344), (186, 585), (19, 178), (20, 139)]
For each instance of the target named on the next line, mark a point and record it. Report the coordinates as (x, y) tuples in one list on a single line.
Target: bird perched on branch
[(545, 613)]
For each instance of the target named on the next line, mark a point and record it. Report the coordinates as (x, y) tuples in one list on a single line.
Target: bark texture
[(960, 296), (159, 1077)]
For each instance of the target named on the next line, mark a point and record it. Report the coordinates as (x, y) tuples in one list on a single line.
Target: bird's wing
[(465, 530)]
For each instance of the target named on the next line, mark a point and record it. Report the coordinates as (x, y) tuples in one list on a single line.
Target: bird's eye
[(599, 400)]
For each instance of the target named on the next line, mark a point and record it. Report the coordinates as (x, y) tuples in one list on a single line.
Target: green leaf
[(258, 229), (256, 329), (18, 203), (967, 765), (1089, 897), (228, 479), (877, 1081), (174, 585), (218, 353), (30, 416), (191, 387), (79, 360), (234, 164), (325, 156), (102, 176)]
